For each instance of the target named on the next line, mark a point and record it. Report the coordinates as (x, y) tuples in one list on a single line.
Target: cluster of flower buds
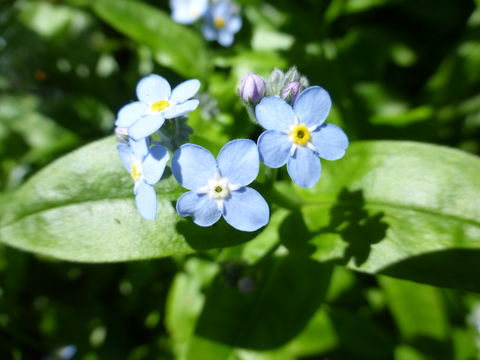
[(286, 85), (221, 18)]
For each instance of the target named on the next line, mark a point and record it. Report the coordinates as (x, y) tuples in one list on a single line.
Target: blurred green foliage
[(396, 70)]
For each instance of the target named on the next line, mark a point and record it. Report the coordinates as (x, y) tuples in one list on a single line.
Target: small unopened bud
[(122, 135), (252, 88), (291, 91)]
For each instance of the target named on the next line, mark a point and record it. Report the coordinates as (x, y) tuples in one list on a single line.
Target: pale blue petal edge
[(180, 109), (185, 90), (154, 164), (153, 88), (126, 156), (204, 210), (146, 201), (304, 167), (238, 161), (275, 114), (274, 148), (246, 210), (146, 126), (193, 166), (312, 106), (130, 113), (330, 142)]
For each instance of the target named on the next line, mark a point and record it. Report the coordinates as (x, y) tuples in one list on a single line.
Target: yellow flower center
[(300, 135), (160, 105), (136, 171), (219, 22)]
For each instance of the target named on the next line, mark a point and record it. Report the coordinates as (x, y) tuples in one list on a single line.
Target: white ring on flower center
[(218, 188)]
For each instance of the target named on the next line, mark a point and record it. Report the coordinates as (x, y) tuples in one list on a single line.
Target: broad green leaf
[(174, 45), (418, 309), (288, 291), (403, 209), (82, 208)]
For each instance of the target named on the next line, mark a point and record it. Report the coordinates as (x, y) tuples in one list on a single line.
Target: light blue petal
[(153, 88), (304, 167), (146, 200), (234, 24), (225, 38), (239, 162), (180, 109), (274, 148), (209, 31), (126, 156), (139, 147), (193, 166), (183, 16), (275, 114), (146, 126), (185, 90), (204, 210), (312, 106), (246, 210), (222, 9), (188, 11), (130, 113), (154, 164), (330, 142)]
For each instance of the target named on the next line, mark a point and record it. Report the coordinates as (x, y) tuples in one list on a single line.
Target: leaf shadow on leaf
[(426, 267), (356, 226), (348, 218)]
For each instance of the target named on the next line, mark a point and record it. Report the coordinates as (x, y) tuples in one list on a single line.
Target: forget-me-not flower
[(219, 186), (222, 21), (146, 166), (188, 11), (297, 136), (157, 102)]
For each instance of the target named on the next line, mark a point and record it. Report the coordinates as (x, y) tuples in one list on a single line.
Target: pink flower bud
[(291, 91), (122, 135), (252, 88)]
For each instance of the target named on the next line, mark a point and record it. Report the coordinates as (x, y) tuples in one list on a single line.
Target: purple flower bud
[(291, 91), (252, 88)]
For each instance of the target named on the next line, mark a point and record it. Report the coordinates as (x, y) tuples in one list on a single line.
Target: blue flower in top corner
[(222, 21), (188, 11), (157, 102), (219, 186), (297, 136), (146, 166)]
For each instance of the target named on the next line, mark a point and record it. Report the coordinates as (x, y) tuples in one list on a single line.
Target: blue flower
[(157, 102), (188, 11), (222, 22), (219, 185), (297, 136), (146, 167)]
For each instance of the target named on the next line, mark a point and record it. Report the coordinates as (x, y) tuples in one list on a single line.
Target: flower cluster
[(295, 135), (138, 122), (221, 18)]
